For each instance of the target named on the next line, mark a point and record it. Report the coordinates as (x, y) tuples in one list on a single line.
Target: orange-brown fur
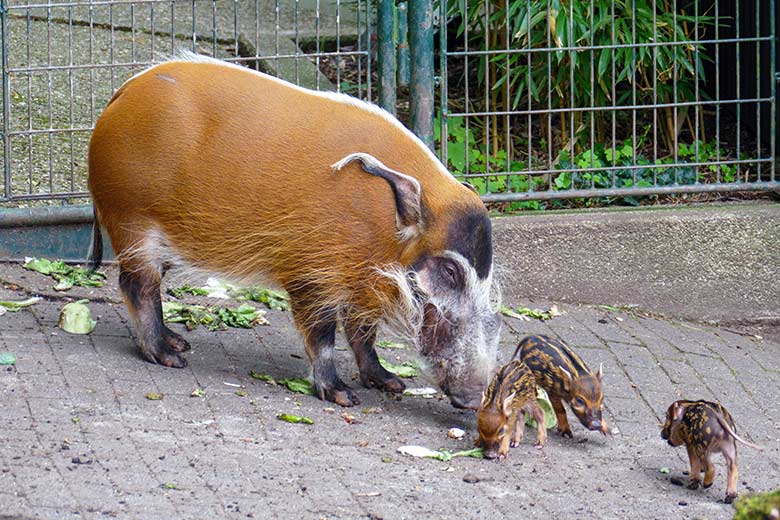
[(186, 189), (231, 172)]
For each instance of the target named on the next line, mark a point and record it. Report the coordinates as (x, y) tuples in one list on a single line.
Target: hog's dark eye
[(579, 402), (451, 274)]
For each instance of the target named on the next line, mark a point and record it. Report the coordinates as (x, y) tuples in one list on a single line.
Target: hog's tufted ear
[(406, 191)]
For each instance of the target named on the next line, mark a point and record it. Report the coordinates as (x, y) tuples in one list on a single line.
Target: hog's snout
[(595, 425), (464, 402), (490, 453)]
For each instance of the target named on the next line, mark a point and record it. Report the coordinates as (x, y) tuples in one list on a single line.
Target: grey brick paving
[(78, 438)]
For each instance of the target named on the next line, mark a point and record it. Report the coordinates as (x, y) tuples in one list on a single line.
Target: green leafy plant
[(556, 73)]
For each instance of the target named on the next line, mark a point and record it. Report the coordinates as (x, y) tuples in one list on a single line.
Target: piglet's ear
[(566, 378), (678, 410), (406, 191), (506, 406)]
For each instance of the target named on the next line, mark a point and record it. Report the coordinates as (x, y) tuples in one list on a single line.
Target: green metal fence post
[(5, 100), (402, 45), (386, 54), (421, 64)]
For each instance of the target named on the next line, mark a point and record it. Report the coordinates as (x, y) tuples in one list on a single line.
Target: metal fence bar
[(65, 59), (386, 54), (634, 192), (6, 94), (421, 73), (621, 104)]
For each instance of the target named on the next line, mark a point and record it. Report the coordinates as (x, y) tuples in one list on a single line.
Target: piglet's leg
[(517, 436), (319, 335), (696, 465), (729, 451), (503, 449), (541, 427), (709, 471), (372, 374), (560, 413)]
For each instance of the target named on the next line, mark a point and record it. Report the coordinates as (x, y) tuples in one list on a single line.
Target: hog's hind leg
[(141, 289), (372, 373)]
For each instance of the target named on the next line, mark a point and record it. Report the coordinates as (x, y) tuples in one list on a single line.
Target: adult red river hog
[(215, 167)]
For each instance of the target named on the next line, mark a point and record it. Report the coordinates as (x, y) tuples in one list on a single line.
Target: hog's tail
[(95, 255), (731, 432)]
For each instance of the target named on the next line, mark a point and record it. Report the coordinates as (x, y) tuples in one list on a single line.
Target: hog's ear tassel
[(406, 190)]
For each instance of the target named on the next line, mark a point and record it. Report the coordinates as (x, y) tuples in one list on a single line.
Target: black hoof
[(165, 356), (175, 341)]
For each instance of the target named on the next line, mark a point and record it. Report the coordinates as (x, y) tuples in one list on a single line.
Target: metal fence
[(537, 99), (62, 61), (551, 99)]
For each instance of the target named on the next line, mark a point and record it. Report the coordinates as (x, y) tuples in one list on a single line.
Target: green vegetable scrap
[(16, 306), (550, 419), (757, 505), (295, 419), (198, 392), (213, 318), (390, 344), (664, 470), (169, 485), (443, 455), (298, 385), (407, 369), (66, 276), (181, 292), (76, 318), (7, 358), (524, 313), (152, 396), (274, 300), (262, 377)]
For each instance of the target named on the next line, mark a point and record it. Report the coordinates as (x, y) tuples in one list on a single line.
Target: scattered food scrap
[(16, 306), (152, 396), (443, 455), (455, 433), (349, 418), (407, 369), (298, 385), (66, 275), (295, 419), (550, 419), (263, 377), (213, 318), (524, 313), (76, 318), (273, 299), (426, 393), (198, 392), (7, 358), (390, 344)]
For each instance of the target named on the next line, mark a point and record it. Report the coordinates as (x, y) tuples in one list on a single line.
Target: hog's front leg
[(319, 335), (372, 374)]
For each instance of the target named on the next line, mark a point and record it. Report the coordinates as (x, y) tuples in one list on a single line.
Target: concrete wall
[(718, 263)]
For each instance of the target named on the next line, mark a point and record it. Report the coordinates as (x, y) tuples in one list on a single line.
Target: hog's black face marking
[(471, 236)]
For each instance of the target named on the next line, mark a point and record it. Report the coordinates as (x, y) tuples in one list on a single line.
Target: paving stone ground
[(79, 439)]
